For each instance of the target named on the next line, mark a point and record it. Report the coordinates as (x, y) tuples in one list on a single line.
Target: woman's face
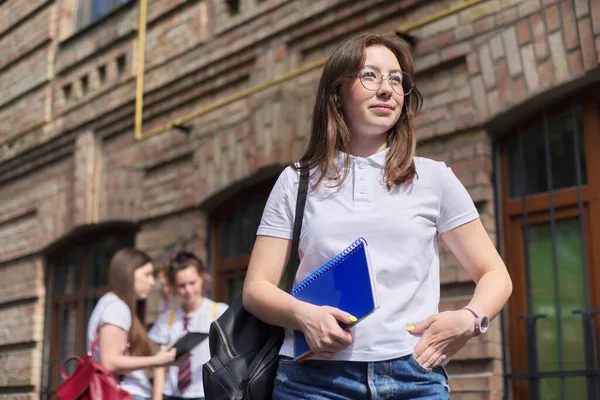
[(143, 278), (372, 113), (188, 285)]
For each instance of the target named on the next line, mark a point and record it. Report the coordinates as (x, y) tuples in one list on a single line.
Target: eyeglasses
[(372, 79)]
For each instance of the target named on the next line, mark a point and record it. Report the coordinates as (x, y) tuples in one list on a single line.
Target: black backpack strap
[(294, 260)]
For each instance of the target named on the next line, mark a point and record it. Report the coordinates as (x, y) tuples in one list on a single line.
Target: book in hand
[(347, 282), (187, 343)]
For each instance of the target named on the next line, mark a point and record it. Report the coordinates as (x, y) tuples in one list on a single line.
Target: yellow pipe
[(139, 85), (257, 88)]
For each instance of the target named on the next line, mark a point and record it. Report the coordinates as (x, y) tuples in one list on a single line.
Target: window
[(233, 228), (90, 11), (549, 208), (76, 277), (233, 7)]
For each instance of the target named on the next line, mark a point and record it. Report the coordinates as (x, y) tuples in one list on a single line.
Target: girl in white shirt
[(365, 181), (122, 343), (188, 278)]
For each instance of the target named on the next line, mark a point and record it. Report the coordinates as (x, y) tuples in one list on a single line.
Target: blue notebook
[(347, 282)]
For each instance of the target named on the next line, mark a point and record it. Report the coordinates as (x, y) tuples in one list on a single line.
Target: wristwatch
[(482, 322)]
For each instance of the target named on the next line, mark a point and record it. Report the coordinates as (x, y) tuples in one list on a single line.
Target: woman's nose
[(385, 89)]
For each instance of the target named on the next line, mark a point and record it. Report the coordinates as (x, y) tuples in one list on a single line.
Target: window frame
[(536, 207), (235, 266), (84, 12), (65, 252)]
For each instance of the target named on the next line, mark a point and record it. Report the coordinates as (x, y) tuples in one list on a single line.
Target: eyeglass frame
[(389, 78)]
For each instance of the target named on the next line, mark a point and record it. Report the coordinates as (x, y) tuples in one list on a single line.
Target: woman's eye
[(368, 74), (397, 78)]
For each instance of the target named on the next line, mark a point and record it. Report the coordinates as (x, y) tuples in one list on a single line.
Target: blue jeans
[(401, 378)]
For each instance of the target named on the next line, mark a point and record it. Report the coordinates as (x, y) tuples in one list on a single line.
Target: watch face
[(485, 323)]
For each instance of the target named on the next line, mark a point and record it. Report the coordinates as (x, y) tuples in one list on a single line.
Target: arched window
[(76, 277), (233, 231)]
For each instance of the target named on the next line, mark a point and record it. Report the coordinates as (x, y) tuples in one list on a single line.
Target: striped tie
[(184, 376)]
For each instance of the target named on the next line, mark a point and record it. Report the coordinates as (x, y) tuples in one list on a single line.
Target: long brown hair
[(329, 131), (122, 283)]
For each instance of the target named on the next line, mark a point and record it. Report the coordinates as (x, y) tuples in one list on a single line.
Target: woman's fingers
[(425, 358)]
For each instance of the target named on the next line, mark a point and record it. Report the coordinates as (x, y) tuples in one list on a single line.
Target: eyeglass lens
[(401, 82)]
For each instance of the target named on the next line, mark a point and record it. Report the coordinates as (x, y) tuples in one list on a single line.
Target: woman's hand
[(322, 330), (164, 357), (443, 335)]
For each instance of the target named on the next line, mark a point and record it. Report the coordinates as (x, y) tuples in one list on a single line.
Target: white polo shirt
[(112, 310), (401, 227), (163, 334)]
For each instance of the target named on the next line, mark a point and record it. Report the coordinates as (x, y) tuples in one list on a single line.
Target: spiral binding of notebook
[(347, 282), (331, 264)]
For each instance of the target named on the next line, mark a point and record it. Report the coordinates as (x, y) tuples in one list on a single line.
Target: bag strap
[(172, 316), (214, 311), (294, 260)]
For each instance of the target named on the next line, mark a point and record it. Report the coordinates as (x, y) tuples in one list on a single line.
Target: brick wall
[(70, 113)]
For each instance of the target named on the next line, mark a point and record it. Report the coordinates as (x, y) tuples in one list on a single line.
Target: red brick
[(523, 32), (16, 11), (575, 64), (520, 90), (539, 36), (444, 39), (479, 96), (506, 16), (582, 8), (494, 102), (473, 63), (552, 18), (463, 32), (424, 46), (587, 44), (462, 107), (484, 24), (567, 11), (471, 165), (504, 81), (545, 72), (595, 16), (455, 51)]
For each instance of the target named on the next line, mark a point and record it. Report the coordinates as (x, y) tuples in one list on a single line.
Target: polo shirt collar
[(377, 158)]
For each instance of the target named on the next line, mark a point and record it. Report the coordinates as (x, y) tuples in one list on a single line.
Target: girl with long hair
[(122, 342), (189, 280), (366, 181)]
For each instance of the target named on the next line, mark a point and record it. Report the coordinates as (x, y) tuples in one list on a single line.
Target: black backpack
[(245, 350)]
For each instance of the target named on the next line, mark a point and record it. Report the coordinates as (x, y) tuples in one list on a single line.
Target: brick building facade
[(508, 87)]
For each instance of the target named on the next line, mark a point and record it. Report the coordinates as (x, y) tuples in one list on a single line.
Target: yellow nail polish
[(410, 328), (353, 318)]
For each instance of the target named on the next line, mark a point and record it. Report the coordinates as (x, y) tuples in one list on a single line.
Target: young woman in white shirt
[(121, 342), (365, 181), (190, 281)]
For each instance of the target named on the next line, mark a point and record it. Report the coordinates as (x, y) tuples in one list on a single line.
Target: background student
[(122, 342), (190, 282)]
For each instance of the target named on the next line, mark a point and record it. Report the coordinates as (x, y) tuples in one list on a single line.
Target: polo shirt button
[(362, 190), (362, 178), (361, 166)]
